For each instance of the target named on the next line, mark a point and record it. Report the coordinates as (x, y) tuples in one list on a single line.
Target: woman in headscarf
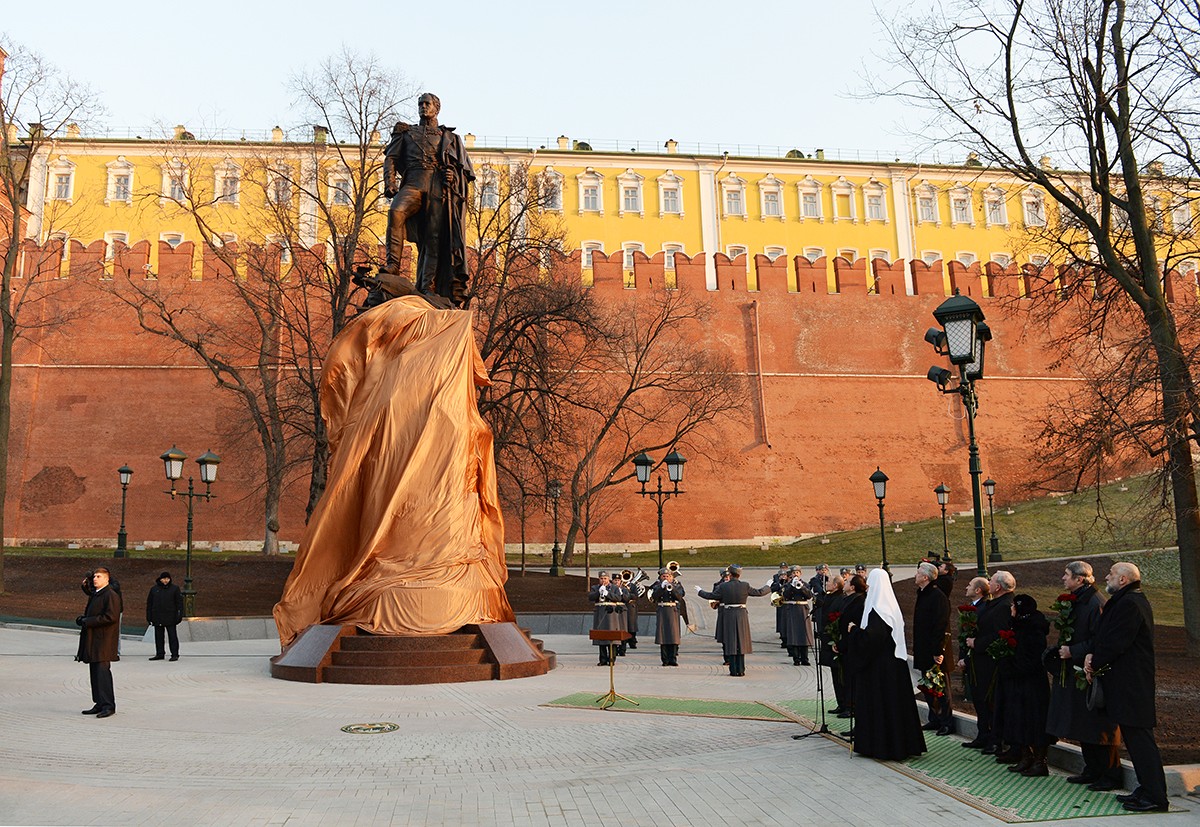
[(887, 725), (1023, 696)]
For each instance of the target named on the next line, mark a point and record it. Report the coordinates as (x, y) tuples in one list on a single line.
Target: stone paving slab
[(213, 739)]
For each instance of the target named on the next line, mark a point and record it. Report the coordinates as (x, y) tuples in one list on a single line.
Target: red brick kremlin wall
[(836, 387)]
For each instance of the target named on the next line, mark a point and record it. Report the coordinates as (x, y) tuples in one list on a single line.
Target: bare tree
[(38, 102), (1094, 105)]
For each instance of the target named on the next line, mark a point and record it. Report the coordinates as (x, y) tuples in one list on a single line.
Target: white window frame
[(667, 182), (814, 254), (340, 185), (994, 196), (550, 182), (174, 239), (810, 186), (962, 197), (849, 254), (774, 252), (1003, 259), (278, 177), (589, 247), (842, 187), (735, 250), (627, 250), (626, 181), (771, 186), (669, 250), (1187, 270), (221, 239), (735, 185), (1039, 260), (886, 255), (116, 169), (590, 178), (285, 249), (223, 174), (921, 192), (174, 171), (110, 239), (1182, 222), (875, 189), (966, 258), (931, 257), (1033, 205), (61, 166)]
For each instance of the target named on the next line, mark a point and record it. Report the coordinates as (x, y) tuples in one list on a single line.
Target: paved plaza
[(213, 739)]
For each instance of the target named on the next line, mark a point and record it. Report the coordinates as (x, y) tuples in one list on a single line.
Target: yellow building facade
[(614, 202)]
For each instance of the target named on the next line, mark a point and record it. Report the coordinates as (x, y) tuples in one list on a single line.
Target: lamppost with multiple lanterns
[(124, 474), (879, 483), (943, 496), (554, 491), (963, 338), (173, 467), (989, 485), (642, 465)]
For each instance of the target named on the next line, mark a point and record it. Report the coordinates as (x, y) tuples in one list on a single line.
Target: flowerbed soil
[(47, 588)]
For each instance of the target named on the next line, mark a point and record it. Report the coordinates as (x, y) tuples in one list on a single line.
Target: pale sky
[(750, 73)]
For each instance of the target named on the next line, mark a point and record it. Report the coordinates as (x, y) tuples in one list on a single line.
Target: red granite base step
[(345, 654)]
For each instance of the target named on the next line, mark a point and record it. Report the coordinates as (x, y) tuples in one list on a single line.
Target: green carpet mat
[(752, 710), (967, 775)]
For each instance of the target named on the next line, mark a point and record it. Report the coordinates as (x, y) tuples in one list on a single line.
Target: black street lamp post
[(943, 496), (554, 491), (963, 338), (173, 467), (125, 474), (879, 483), (989, 485), (642, 464)]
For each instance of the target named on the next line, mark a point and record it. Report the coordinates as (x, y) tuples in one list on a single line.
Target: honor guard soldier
[(797, 624), (667, 595), (777, 581), (735, 630), (609, 612)]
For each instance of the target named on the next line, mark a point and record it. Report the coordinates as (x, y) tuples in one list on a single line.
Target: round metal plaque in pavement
[(370, 729)]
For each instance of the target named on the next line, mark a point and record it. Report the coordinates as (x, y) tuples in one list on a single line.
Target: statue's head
[(429, 105)]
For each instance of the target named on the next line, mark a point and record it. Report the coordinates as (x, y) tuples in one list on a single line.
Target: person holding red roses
[(1078, 618), (994, 615), (1022, 692)]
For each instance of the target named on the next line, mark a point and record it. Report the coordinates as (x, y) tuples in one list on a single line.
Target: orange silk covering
[(408, 537)]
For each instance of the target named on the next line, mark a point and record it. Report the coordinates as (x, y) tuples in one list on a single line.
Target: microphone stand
[(823, 729)]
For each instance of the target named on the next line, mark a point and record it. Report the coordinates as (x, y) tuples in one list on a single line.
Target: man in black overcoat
[(977, 595), (164, 611), (994, 615), (1122, 659), (99, 641), (931, 643), (855, 593), (1068, 716)]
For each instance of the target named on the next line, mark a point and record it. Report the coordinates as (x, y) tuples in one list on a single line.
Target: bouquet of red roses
[(968, 624), (933, 682), (833, 632), (1004, 646), (1064, 622)]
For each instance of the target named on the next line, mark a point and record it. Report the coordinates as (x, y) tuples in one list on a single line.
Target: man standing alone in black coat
[(164, 611), (931, 643), (994, 615), (99, 640), (1122, 659)]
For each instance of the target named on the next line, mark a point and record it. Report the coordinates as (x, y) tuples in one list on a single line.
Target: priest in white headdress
[(886, 723)]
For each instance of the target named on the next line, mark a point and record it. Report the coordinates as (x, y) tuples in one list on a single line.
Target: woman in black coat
[(1023, 692), (164, 611)]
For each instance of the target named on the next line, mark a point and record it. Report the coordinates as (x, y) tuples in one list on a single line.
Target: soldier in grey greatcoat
[(797, 622), (777, 581), (735, 631), (667, 595), (1068, 717), (609, 612), (719, 626)]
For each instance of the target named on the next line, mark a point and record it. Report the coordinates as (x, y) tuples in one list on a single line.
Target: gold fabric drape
[(408, 537)]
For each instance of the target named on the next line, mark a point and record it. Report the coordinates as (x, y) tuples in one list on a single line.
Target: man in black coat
[(164, 611), (1068, 715), (99, 641), (994, 615), (931, 643), (1122, 659), (977, 596)]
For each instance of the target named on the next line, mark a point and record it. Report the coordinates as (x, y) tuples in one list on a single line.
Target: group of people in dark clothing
[(1029, 692)]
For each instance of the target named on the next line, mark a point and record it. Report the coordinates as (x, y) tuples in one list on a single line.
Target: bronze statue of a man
[(426, 173)]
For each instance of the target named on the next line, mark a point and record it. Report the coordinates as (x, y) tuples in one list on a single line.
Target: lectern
[(610, 638)]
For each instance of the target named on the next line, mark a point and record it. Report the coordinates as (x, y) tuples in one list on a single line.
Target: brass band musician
[(667, 595), (609, 612), (797, 625)]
